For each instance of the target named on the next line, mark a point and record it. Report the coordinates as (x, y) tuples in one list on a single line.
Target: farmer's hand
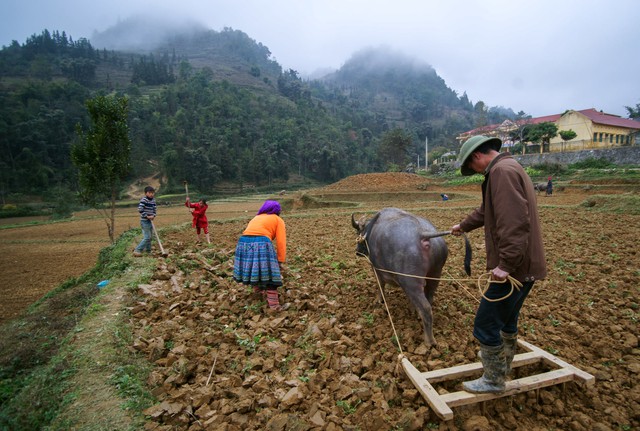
[(498, 274), (151, 217), (456, 230)]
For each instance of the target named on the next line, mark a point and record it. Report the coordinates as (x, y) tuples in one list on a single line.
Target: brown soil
[(329, 362), (380, 182), (36, 259)]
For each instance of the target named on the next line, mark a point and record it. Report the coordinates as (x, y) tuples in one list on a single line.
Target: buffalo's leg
[(416, 294), (432, 285), (381, 284)]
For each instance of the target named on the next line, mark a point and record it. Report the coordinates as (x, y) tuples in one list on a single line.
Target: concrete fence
[(618, 156)]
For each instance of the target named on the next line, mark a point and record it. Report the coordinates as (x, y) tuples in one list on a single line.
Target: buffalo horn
[(353, 222)]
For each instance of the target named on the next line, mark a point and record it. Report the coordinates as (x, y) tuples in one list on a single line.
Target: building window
[(611, 138), (595, 137), (601, 137)]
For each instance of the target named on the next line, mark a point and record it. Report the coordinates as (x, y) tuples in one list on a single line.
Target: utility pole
[(426, 153)]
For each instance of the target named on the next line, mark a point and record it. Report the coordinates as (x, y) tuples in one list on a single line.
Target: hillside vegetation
[(213, 107)]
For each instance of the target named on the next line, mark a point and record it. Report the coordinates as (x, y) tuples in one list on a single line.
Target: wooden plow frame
[(442, 404)]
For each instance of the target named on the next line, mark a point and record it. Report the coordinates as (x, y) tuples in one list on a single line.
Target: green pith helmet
[(470, 146)]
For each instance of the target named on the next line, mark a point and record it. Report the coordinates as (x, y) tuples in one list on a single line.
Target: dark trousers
[(493, 317)]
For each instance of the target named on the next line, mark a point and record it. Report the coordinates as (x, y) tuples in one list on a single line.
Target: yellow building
[(594, 130)]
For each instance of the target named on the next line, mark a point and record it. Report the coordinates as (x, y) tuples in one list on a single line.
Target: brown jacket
[(509, 214)]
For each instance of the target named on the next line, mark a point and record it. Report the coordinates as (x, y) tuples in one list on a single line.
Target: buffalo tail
[(467, 255)]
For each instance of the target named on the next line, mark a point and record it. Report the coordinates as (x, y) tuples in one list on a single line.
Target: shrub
[(593, 163)]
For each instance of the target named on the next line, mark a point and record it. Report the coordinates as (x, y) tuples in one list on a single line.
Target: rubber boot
[(494, 365), (510, 345)]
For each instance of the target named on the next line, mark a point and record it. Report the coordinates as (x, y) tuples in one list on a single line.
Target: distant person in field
[(147, 209), (444, 196), (549, 187), (256, 261), (200, 222)]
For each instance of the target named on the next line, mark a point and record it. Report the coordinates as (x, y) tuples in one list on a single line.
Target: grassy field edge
[(66, 364)]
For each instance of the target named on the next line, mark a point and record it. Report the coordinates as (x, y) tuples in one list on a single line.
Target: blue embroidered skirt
[(256, 262)]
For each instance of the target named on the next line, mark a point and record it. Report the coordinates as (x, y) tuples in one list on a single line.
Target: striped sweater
[(147, 207)]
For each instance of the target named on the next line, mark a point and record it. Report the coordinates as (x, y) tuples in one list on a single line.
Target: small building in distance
[(594, 130)]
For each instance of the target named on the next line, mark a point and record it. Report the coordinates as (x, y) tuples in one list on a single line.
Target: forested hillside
[(212, 107)]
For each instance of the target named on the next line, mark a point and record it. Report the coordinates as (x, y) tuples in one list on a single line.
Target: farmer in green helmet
[(513, 241)]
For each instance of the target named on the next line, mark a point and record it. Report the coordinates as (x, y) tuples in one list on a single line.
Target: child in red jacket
[(200, 221)]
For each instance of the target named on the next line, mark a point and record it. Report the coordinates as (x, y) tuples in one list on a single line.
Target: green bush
[(549, 168), (592, 163), (473, 179), (11, 210)]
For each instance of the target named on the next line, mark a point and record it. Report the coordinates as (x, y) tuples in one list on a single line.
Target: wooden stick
[(165, 254), (212, 367), (441, 409), (186, 190)]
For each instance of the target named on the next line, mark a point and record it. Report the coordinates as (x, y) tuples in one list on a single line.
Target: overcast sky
[(539, 56)]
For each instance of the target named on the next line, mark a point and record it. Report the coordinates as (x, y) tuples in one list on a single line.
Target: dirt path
[(136, 189)]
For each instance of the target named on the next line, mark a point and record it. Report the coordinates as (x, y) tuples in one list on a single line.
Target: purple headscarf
[(270, 207)]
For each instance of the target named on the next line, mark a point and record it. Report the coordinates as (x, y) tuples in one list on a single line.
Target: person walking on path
[(147, 209), (200, 222), (256, 262), (549, 187), (514, 247)]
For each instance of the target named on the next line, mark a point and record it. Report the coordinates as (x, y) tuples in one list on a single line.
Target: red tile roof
[(595, 116), (600, 117), (546, 119)]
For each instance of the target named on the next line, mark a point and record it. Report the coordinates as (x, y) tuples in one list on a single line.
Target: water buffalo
[(397, 241), (540, 187)]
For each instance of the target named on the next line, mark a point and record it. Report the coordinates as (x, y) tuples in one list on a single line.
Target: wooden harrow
[(442, 404)]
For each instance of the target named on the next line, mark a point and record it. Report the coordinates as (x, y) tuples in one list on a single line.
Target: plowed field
[(330, 362)]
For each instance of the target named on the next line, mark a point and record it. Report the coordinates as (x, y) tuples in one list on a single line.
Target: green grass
[(618, 204), (40, 358)]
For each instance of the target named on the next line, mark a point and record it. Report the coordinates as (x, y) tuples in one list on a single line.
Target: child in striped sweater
[(147, 210)]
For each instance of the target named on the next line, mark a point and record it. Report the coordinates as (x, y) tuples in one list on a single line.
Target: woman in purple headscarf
[(256, 262)]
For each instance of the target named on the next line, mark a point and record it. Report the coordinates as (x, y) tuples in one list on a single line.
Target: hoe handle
[(157, 237)]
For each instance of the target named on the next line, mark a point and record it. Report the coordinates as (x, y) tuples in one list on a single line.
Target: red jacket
[(199, 217)]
